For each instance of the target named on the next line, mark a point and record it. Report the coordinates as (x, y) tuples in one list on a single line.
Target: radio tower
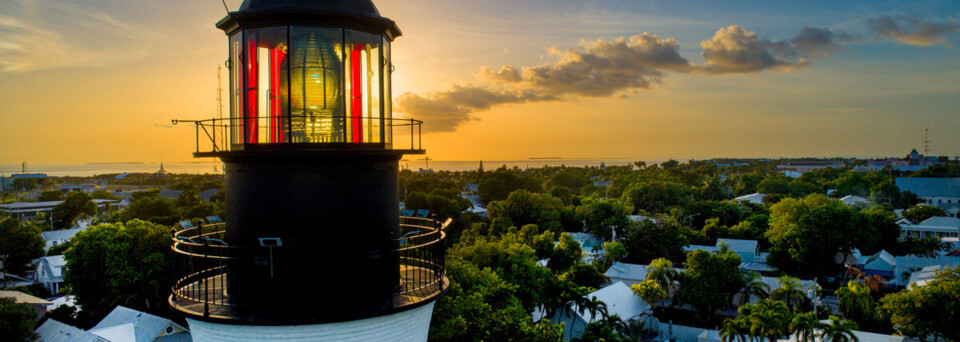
[(926, 141)]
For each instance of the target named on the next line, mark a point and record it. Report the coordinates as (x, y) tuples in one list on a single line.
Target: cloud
[(913, 31), (43, 34), (598, 68), (613, 68), (820, 42), (445, 111), (735, 50)]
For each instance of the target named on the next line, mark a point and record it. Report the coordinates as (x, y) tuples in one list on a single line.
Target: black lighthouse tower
[(312, 234)]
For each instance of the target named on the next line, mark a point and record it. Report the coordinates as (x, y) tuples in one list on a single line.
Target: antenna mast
[(926, 141), (216, 165)]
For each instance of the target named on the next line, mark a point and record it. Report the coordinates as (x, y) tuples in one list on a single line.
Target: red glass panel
[(276, 120), (356, 86), (251, 77)]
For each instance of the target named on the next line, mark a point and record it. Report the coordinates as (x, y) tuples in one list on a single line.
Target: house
[(925, 275), (54, 331), (898, 269), (937, 226), (882, 264), (38, 305), (50, 270), (755, 198), (807, 166), (590, 244), (58, 237), (855, 201), (125, 324), (748, 250), (620, 301), (26, 211), (87, 188), (941, 192), (628, 274)]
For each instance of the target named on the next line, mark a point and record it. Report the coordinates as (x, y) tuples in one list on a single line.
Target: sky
[(100, 80)]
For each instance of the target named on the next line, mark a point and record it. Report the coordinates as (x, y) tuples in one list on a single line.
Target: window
[(364, 65), (265, 86), (316, 73)]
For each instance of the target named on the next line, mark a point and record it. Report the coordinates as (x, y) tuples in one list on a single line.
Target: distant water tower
[(313, 247)]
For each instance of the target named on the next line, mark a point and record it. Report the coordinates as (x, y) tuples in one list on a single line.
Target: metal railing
[(322, 131), (202, 258)]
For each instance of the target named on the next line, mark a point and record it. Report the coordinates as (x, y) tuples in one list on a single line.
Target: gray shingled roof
[(60, 235), (621, 270), (930, 187), (146, 326), (53, 331)]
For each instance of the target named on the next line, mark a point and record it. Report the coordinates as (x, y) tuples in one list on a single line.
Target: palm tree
[(594, 306), (855, 300), (838, 331), (661, 271), (753, 286), (874, 283), (806, 326), (770, 319), (735, 330), (789, 291)]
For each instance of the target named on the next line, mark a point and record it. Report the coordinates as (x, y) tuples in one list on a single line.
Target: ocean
[(214, 167)]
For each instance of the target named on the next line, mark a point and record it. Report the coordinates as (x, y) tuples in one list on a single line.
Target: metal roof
[(930, 187), (737, 245), (61, 235), (354, 7), (941, 221), (621, 270), (620, 300), (146, 326), (53, 331)]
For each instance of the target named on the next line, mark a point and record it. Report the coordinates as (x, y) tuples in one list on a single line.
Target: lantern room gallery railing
[(202, 259), (215, 136)]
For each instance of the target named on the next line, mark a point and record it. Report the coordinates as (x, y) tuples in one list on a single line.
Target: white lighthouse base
[(409, 325)]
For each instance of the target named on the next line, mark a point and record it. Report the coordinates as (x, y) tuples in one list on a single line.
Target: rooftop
[(930, 187)]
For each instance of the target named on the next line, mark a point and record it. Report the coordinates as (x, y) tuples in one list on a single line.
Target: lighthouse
[(313, 246)]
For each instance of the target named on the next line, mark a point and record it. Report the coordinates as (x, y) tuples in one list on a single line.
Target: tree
[(753, 285), (566, 254), (150, 207), (921, 212), (74, 205), (647, 240), (602, 216), (790, 292), (806, 234), (122, 264), (17, 321), (103, 194), (655, 197), (735, 330), (613, 251), (769, 319), (855, 301), (499, 184), (661, 271), (650, 292), (881, 231), (523, 207), (710, 280), (807, 326), (839, 331), (20, 242), (929, 309)]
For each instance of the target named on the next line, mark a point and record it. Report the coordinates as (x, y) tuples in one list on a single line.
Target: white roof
[(620, 300), (640, 218), (117, 333), (884, 256), (774, 283), (853, 200), (61, 235), (621, 270), (924, 275), (752, 198)]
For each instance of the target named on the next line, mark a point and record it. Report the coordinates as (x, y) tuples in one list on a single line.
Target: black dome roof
[(353, 14), (352, 7)]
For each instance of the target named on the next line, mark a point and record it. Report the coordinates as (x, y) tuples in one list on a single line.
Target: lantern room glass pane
[(364, 70), (265, 86), (236, 49), (316, 72), (387, 95)]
